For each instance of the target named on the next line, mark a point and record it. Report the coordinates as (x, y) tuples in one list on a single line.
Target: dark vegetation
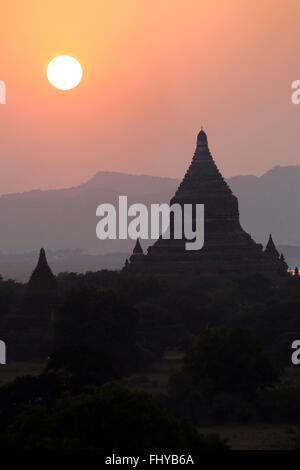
[(108, 418), (236, 339), (11, 293)]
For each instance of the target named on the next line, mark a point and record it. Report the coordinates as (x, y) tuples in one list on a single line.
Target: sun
[(64, 72)]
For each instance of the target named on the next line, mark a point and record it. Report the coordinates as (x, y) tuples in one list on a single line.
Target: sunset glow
[(153, 74)]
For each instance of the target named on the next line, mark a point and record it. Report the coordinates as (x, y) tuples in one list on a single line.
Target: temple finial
[(202, 137), (138, 249), (42, 256)]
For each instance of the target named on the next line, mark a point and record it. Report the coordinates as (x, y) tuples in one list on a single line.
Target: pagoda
[(42, 293), (228, 249), (30, 330)]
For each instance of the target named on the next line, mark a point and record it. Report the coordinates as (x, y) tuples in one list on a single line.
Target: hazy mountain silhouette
[(66, 218), (270, 204)]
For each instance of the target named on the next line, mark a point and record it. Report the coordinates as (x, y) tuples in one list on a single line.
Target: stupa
[(227, 250), (42, 296), (29, 332)]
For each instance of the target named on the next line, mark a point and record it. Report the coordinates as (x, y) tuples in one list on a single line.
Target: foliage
[(81, 366), (280, 405), (110, 418), (230, 361), (100, 319), (221, 376)]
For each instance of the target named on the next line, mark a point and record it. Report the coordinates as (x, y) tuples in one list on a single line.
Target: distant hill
[(66, 218), (270, 204), (132, 185)]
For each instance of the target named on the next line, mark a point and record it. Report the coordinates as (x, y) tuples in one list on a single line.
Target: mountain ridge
[(66, 217)]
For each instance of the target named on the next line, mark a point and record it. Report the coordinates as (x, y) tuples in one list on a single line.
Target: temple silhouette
[(228, 249), (29, 331)]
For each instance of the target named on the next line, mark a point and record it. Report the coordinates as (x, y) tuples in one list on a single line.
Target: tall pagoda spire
[(204, 184), (202, 138)]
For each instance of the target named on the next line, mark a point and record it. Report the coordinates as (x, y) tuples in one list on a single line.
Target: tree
[(102, 320), (81, 366), (16, 396), (229, 361), (110, 418)]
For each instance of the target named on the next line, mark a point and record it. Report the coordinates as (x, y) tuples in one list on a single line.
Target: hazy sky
[(154, 72)]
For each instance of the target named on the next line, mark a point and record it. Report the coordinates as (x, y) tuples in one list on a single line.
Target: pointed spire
[(137, 254), (296, 272), (270, 239), (137, 249), (42, 276), (42, 257), (202, 180), (271, 248), (202, 138)]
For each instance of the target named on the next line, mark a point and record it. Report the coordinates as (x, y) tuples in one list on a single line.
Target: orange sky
[(154, 72)]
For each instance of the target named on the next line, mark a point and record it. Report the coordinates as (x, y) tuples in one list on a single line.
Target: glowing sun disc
[(64, 72)]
